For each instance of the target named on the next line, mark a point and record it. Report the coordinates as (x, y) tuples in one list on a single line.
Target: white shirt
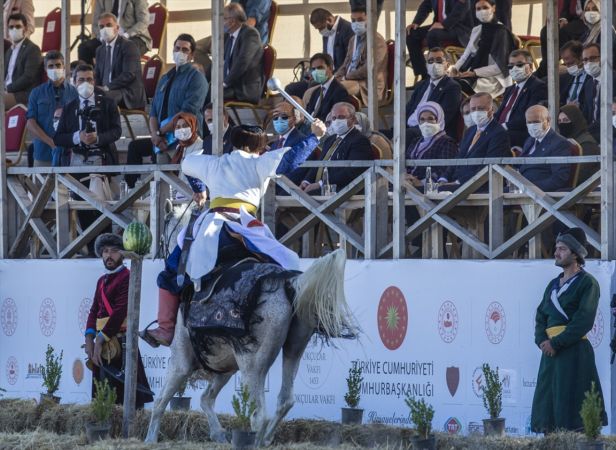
[(413, 120), (11, 69), (332, 38)]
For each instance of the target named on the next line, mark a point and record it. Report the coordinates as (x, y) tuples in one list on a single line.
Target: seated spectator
[(284, 119), (452, 22), (328, 91), (43, 105), (353, 74), (526, 91), (483, 65), (181, 89), (465, 110), (434, 143), (346, 143), (25, 7), (134, 19), (377, 139), (186, 131), (543, 141), (438, 88), (572, 83), (118, 68), (227, 147), (23, 64), (503, 12), (486, 139), (573, 126), (336, 32)]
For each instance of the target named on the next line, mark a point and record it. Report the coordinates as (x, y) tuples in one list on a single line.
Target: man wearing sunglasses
[(527, 90)]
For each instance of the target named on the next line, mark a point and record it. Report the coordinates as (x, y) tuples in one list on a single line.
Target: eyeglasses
[(281, 117), (520, 64), (436, 60)]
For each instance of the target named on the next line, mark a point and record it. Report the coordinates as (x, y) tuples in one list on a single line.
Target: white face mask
[(592, 17), (593, 69), (429, 129), (535, 130), (339, 126), (359, 28), (574, 70), (16, 34), (182, 134), (108, 34), (85, 90), (614, 120), (468, 120), (326, 32), (484, 15), (180, 58), (55, 74), (480, 118), (436, 70), (518, 74)]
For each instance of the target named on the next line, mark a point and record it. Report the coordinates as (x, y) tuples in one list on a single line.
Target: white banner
[(428, 327)]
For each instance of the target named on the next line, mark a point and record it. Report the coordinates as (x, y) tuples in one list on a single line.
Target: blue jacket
[(548, 177), (260, 10), (295, 137)]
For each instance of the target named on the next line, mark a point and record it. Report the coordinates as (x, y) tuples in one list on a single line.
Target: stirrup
[(143, 334)]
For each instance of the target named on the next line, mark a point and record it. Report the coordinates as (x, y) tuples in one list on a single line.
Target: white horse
[(287, 324)]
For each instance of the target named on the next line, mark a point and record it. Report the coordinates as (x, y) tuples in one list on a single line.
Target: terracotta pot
[(494, 427), (424, 444), (180, 403), (243, 439), (97, 431), (352, 416)]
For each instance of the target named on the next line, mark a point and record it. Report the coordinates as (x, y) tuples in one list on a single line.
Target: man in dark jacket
[(321, 98), (336, 32)]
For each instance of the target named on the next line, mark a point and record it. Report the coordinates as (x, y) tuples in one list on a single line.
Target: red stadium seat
[(271, 23), (151, 74), (15, 132), (159, 15), (52, 31)]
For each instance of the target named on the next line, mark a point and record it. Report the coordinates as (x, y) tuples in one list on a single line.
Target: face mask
[(107, 34), (359, 28), (535, 130), (340, 126), (182, 134), (566, 129), (85, 90), (436, 70), (518, 74), (429, 129), (592, 17), (210, 126), (16, 34), (326, 32), (468, 120), (55, 74), (480, 118), (484, 15), (593, 69), (614, 121), (226, 29), (180, 58), (319, 76), (574, 70), (281, 126)]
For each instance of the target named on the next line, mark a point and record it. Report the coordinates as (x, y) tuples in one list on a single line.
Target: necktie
[(83, 121), (327, 157), (228, 48), (317, 107), (476, 137), (512, 98), (595, 112), (441, 10), (107, 66), (576, 89), (430, 90), (533, 148), (280, 142)]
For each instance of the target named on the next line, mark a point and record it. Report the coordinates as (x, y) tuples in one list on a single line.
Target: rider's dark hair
[(249, 138)]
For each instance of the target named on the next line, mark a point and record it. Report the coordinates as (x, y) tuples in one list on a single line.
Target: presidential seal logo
[(8, 316), (47, 317), (448, 322), (78, 371), (595, 335), (392, 318), (12, 370), (82, 313), (453, 426), (478, 382), (495, 323)]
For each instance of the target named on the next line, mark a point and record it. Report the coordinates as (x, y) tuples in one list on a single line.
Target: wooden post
[(399, 227), (4, 218), (553, 58), (65, 44), (373, 99), (217, 75), (132, 343)]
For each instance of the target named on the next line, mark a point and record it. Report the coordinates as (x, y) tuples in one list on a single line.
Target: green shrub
[(52, 372), (244, 408), (492, 392), (591, 413), (101, 406), (353, 386), (422, 414)]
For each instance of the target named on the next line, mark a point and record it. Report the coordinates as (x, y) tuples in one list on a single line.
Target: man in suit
[(452, 22), (208, 117), (134, 19), (243, 57), (526, 91), (25, 7), (353, 74), (346, 144), (336, 32), (439, 88), (486, 139), (573, 82), (118, 68), (544, 142), (320, 99), (23, 64)]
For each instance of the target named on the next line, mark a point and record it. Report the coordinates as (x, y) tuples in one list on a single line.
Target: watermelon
[(137, 238)]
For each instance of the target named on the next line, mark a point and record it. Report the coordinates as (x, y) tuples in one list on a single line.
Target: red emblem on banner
[(495, 323), (453, 426), (448, 322), (452, 375), (78, 371), (392, 318)]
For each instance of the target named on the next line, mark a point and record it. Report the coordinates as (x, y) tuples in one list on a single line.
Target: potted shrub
[(493, 402), (179, 402), (352, 414), (422, 414), (51, 372), (591, 418), (241, 435), (101, 408)]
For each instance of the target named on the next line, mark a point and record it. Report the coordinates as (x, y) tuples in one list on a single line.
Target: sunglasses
[(281, 117), (520, 64)]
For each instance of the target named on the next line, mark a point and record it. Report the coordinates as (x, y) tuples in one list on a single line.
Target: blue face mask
[(281, 126)]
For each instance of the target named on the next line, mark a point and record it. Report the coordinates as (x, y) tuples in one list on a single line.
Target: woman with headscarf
[(592, 20), (237, 181), (573, 126), (434, 143), (483, 67)]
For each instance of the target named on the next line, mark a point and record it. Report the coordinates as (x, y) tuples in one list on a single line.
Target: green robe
[(564, 378)]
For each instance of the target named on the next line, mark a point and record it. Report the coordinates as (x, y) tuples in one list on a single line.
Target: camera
[(91, 114)]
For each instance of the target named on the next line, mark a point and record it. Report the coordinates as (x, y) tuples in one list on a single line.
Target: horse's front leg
[(208, 399)]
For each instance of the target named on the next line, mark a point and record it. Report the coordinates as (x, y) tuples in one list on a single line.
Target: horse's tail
[(320, 297)]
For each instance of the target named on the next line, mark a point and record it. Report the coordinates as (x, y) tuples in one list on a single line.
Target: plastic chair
[(52, 31), (15, 132)]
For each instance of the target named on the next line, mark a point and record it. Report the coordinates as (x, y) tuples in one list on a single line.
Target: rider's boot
[(168, 304)]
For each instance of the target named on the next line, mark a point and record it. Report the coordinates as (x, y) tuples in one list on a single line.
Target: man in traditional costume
[(566, 313), (106, 325)]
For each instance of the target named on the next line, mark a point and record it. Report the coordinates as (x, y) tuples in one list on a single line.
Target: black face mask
[(566, 129)]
